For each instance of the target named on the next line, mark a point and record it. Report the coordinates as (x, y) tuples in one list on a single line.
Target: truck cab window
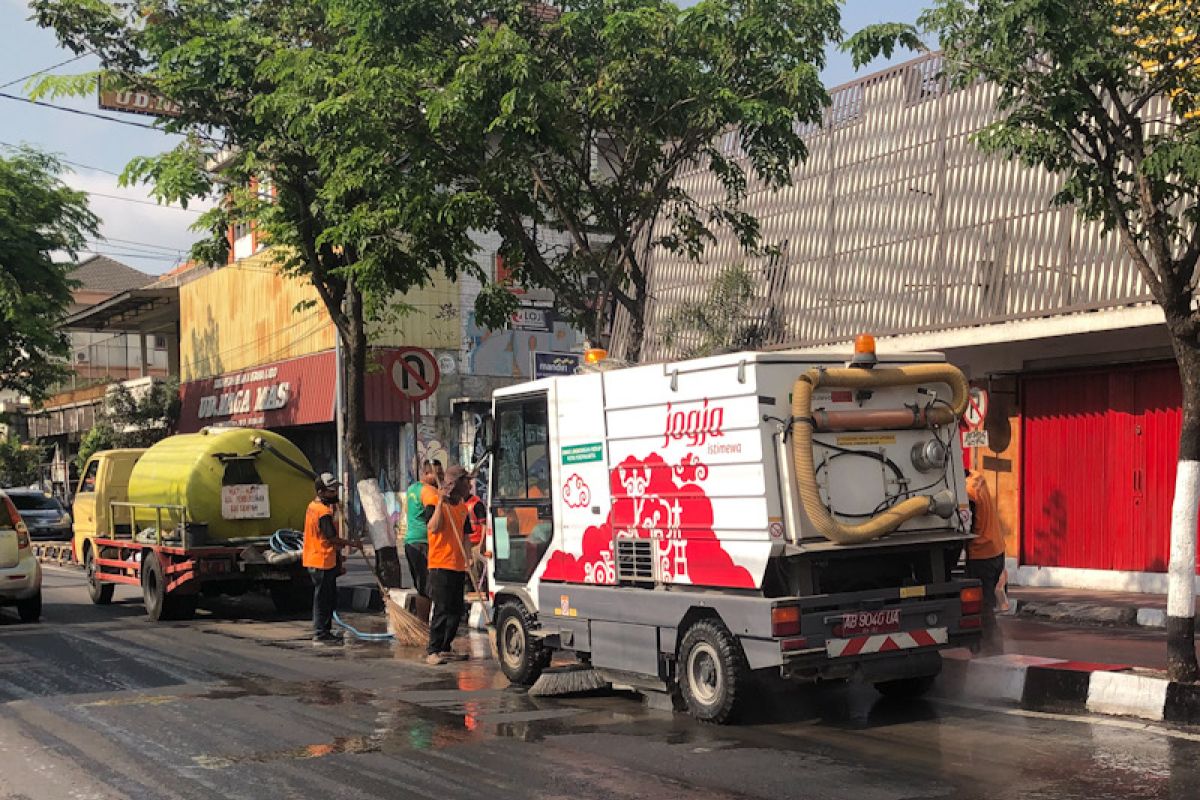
[(523, 523), (88, 482)]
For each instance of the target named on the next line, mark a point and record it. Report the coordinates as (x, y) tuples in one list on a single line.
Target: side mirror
[(489, 435)]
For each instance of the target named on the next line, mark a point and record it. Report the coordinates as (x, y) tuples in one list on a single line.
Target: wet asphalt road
[(100, 703)]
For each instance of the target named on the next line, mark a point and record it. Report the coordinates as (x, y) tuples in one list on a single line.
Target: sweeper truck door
[(522, 511)]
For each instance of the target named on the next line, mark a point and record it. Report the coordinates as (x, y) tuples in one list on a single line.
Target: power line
[(47, 69), (144, 245), (142, 202), (12, 146), (123, 254), (18, 98)]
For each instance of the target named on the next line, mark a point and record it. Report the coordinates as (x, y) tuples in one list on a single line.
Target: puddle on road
[(319, 693), (141, 700)]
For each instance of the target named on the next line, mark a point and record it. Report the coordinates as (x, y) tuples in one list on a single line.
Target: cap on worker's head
[(453, 476), (326, 481)]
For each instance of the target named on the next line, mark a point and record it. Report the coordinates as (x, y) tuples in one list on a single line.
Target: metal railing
[(179, 523)]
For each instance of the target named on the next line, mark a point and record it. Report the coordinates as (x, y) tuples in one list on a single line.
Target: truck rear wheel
[(522, 657), (712, 672), (906, 688), (101, 593), (291, 597), (160, 605)]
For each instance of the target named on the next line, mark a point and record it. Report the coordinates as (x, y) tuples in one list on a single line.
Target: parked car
[(20, 573), (44, 516)]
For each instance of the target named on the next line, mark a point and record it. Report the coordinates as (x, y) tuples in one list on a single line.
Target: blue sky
[(154, 238)]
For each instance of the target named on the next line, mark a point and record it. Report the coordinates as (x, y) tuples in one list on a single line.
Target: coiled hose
[(285, 540), (803, 425)]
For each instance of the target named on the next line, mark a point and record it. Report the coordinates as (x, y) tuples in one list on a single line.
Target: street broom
[(407, 627)]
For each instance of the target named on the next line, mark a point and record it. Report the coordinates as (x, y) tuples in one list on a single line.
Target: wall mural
[(505, 353)]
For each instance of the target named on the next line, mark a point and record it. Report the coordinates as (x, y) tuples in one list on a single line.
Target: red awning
[(298, 391)]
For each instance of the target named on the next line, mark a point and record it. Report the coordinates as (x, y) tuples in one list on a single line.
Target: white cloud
[(137, 234)]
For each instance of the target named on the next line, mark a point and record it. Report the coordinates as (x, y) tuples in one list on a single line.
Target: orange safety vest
[(319, 552), (989, 540), (443, 552)]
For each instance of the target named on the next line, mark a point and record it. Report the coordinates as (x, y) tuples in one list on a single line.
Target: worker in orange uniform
[(985, 556), (321, 555), (449, 532)]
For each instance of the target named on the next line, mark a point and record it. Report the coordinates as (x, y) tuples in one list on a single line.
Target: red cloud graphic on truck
[(648, 503), (575, 492)]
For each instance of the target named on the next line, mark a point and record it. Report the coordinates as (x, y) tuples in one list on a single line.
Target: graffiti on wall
[(505, 353)]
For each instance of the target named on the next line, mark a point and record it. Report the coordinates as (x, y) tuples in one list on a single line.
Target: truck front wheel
[(522, 657), (101, 593), (713, 674), (159, 604)]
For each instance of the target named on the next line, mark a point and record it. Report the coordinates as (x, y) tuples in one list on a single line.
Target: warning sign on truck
[(245, 501)]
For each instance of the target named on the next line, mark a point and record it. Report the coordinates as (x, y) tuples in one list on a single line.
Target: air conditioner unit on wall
[(81, 356)]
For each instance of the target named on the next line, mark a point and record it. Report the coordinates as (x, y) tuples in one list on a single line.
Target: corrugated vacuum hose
[(803, 425)]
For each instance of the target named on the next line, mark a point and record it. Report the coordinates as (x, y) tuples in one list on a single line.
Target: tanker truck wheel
[(100, 593), (161, 606), (292, 597), (713, 676)]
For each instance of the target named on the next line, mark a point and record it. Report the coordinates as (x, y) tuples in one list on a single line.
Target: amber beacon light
[(594, 355), (864, 349)]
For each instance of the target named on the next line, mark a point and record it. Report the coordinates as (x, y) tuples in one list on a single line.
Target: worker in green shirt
[(416, 541)]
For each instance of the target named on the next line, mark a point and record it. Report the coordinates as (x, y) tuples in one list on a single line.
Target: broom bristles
[(408, 629)]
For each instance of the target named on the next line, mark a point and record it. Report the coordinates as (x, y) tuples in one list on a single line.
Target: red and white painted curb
[(1055, 684)]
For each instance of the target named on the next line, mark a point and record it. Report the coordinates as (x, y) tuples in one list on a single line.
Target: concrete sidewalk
[(1089, 607)]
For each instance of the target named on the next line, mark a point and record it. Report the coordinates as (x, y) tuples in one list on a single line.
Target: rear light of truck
[(796, 643), (785, 620), (971, 600), (967, 623)]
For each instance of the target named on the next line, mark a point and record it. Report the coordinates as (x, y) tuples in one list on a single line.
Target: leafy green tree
[(288, 125), (574, 121), (20, 463), (132, 420), (39, 216), (1103, 94), (722, 322), (100, 437)]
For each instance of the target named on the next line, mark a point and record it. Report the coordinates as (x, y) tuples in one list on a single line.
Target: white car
[(20, 573)]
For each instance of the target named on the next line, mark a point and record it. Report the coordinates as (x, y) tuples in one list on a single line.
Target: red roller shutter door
[(1098, 466)]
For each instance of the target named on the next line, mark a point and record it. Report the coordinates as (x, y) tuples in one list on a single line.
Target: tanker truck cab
[(105, 479), (681, 526)]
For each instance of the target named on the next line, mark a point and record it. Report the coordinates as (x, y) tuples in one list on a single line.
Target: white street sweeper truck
[(680, 526)]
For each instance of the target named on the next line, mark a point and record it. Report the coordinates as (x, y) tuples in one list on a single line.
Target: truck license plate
[(856, 623)]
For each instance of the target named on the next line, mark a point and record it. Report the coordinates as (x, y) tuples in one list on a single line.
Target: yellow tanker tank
[(226, 479)]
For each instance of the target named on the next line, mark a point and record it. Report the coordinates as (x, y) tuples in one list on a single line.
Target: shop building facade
[(897, 225)]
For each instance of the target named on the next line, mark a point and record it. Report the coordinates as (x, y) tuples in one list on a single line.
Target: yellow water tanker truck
[(195, 514)]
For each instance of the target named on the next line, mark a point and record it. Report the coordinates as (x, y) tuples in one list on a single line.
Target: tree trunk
[(637, 317), (383, 538), (1181, 573)]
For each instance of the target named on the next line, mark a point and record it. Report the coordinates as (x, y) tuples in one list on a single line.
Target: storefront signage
[(529, 318), (137, 102), (297, 391), (246, 501), (548, 365)]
